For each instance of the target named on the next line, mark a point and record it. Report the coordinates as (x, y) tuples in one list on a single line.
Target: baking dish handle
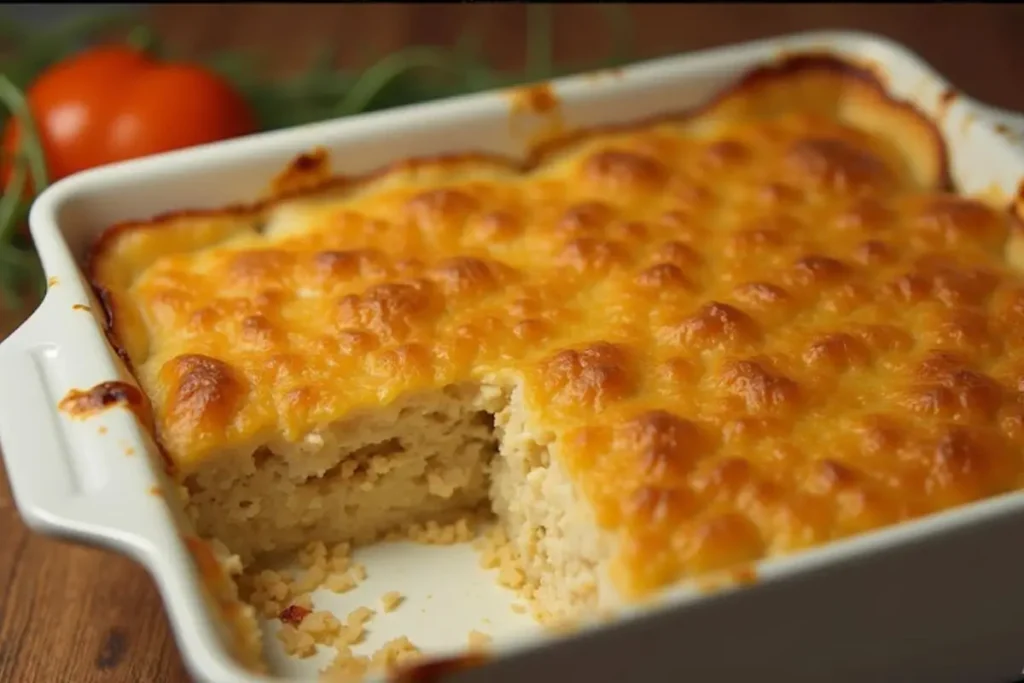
[(62, 470), (38, 466), (80, 479)]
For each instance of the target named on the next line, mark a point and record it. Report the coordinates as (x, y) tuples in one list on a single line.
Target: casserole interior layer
[(657, 351)]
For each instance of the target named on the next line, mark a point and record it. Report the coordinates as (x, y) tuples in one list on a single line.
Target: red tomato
[(114, 103)]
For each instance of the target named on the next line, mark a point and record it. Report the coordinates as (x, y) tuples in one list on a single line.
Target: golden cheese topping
[(747, 331)]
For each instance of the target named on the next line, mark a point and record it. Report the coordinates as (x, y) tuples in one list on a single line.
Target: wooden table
[(76, 615)]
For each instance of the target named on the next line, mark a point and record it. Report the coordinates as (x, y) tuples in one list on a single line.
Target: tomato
[(113, 103)]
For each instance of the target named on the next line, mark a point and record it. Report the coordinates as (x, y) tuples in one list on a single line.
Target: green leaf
[(28, 144), (21, 274), (87, 26), (539, 41), (11, 201), (391, 67), (621, 27)]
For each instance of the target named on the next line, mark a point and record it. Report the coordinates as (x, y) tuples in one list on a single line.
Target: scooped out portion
[(433, 457)]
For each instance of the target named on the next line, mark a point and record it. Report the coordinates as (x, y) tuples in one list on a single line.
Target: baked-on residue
[(658, 351)]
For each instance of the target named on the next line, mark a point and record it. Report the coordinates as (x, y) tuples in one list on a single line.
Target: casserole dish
[(83, 479)]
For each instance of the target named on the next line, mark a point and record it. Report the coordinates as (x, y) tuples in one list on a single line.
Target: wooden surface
[(77, 615)]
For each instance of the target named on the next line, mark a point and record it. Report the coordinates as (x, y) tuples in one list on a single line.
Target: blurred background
[(71, 614), (976, 45)]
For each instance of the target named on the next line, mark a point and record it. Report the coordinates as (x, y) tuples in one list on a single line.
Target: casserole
[(93, 487)]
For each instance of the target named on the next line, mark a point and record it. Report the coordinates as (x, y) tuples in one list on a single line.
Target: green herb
[(20, 270), (323, 91)]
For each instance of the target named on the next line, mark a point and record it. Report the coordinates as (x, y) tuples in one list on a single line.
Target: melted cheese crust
[(747, 331)]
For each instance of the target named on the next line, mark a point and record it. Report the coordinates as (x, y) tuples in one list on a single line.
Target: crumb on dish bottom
[(287, 596), (452, 466), (304, 627)]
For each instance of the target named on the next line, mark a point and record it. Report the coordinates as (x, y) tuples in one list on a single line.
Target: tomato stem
[(143, 39)]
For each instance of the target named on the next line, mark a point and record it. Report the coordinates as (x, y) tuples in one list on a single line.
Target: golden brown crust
[(749, 330)]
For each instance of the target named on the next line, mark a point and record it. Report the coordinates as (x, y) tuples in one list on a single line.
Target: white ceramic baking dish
[(938, 600)]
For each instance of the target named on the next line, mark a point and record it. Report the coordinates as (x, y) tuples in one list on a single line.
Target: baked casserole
[(654, 352)]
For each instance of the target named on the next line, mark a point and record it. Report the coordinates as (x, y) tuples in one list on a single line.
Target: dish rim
[(59, 496)]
